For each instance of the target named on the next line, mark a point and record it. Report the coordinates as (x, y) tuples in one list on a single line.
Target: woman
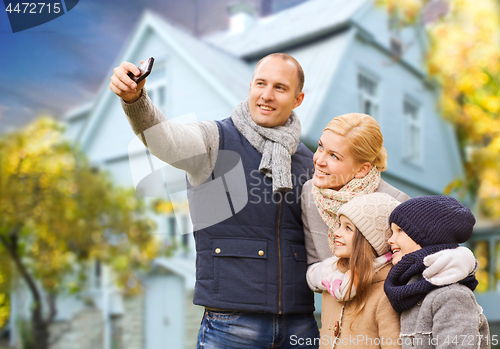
[(348, 163)]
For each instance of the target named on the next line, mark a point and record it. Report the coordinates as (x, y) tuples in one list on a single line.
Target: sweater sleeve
[(312, 253), (455, 322), (388, 324), (192, 147)]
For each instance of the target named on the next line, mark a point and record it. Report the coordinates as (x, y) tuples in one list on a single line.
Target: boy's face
[(401, 243), (343, 238)]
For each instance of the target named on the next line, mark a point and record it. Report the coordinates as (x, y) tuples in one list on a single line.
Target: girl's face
[(401, 243), (333, 164), (344, 238)]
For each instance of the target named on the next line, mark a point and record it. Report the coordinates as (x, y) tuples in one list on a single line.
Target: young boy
[(432, 316)]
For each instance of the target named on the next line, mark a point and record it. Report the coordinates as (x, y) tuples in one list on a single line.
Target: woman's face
[(333, 164)]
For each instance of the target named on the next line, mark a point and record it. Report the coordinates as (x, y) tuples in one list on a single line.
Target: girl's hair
[(363, 137), (362, 270)]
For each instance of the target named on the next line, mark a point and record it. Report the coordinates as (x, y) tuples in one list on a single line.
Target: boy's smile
[(401, 244)]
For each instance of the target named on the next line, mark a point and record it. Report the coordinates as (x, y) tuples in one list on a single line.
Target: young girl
[(432, 316), (356, 312)]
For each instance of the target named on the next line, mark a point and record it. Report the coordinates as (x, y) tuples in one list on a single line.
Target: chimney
[(242, 15)]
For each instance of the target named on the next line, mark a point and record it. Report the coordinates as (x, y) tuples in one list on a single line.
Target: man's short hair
[(287, 57)]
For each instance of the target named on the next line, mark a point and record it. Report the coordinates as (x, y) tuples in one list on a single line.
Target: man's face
[(273, 92)]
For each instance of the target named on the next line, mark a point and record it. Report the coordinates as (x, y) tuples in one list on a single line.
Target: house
[(354, 60)]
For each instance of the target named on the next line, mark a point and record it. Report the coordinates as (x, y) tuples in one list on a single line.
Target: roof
[(183, 267), (320, 61), (304, 22), (212, 58)]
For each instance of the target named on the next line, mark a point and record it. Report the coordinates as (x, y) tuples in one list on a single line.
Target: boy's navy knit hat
[(434, 220)]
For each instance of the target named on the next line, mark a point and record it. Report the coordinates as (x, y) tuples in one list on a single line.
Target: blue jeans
[(245, 330)]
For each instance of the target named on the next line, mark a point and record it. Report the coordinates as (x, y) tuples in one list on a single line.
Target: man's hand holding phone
[(124, 86)]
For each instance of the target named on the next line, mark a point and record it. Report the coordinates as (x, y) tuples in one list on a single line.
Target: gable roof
[(294, 26), (183, 267), (209, 62), (320, 61), (213, 59)]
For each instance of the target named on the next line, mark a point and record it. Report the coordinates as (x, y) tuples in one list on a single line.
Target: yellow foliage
[(464, 57), (57, 213)]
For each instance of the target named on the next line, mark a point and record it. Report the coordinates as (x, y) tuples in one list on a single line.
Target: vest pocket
[(240, 270)]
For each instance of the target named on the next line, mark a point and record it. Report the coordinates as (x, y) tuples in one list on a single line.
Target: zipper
[(279, 257)]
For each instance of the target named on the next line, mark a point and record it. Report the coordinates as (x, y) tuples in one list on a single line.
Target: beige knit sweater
[(376, 326)]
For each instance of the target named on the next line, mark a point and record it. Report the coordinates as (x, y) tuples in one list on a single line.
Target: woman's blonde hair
[(363, 138)]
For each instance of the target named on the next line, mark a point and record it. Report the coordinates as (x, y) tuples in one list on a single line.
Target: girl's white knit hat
[(370, 214)]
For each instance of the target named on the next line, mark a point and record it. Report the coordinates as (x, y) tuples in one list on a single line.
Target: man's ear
[(363, 170), (298, 99)]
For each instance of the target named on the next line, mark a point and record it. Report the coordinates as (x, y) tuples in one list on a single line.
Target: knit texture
[(370, 213), (404, 295), (434, 220), (329, 201), (276, 144)]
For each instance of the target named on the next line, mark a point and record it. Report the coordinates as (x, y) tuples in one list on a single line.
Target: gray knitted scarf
[(276, 144)]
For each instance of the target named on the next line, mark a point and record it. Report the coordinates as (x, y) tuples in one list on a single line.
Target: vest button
[(217, 250), (261, 253)]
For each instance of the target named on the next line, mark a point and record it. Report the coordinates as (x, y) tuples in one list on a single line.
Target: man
[(250, 268)]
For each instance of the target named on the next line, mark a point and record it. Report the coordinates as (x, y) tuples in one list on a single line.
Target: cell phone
[(145, 69)]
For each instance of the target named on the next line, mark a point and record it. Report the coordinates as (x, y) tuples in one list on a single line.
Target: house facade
[(354, 61)]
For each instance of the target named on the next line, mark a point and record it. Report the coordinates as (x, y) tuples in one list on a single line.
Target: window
[(184, 224), (368, 95), (95, 274), (173, 230), (395, 41), (157, 84), (413, 132), (396, 47), (185, 232)]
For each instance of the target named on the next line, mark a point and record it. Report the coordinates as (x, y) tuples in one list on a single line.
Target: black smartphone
[(145, 69)]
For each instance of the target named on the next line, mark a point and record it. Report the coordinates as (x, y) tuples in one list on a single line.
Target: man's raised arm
[(191, 147)]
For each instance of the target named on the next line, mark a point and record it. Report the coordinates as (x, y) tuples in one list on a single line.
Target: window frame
[(366, 96), (410, 124)]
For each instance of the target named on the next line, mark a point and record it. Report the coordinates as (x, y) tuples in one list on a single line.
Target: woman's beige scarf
[(329, 201)]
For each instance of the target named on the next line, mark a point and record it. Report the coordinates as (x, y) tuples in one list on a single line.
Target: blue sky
[(63, 63)]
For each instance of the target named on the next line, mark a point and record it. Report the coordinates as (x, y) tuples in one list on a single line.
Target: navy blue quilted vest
[(255, 260)]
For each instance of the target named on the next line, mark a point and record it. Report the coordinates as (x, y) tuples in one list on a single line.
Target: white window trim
[(153, 87), (416, 124), (364, 96), (182, 222)]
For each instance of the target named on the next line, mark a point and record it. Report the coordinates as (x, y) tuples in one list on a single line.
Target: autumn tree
[(57, 213), (464, 58)]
